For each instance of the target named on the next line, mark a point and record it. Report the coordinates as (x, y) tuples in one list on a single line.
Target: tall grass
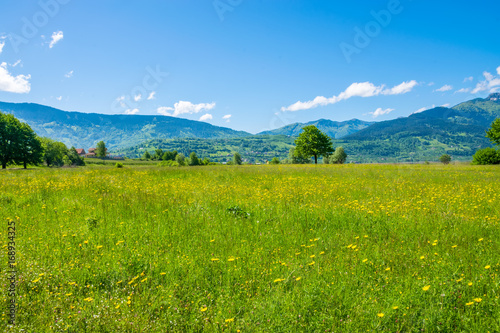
[(271, 248)]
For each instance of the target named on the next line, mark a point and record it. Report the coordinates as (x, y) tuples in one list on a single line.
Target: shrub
[(445, 159), (275, 160), (119, 165), (486, 156)]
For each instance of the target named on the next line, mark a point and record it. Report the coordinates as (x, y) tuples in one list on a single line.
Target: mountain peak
[(495, 97)]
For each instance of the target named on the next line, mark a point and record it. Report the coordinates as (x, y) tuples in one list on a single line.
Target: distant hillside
[(458, 131), (334, 129), (84, 130)]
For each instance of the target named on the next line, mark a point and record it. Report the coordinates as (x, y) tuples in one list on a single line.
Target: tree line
[(20, 145)]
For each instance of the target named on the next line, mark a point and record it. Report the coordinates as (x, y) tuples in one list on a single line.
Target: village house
[(80, 152)]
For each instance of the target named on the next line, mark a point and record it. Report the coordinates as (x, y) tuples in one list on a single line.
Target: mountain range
[(459, 131)]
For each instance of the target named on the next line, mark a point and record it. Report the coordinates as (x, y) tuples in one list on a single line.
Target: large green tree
[(54, 151), (295, 158), (18, 142), (193, 159), (8, 131), (29, 148), (101, 150), (74, 158), (313, 142), (237, 160), (339, 157), (494, 132)]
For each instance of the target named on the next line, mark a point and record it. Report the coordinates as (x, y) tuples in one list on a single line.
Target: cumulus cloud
[(2, 44), (380, 112), (69, 74), (424, 109), (59, 98), (444, 88), (183, 107), (205, 117), (403, 88), (56, 37), (363, 89), (498, 70), (430, 107), (491, 83), (17, 63), (463, 90), (131, 111), (16, 84), (227, 118), (152, 95), (138, 97), (470, 78)]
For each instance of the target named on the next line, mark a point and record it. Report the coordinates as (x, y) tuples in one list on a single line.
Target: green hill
[(333, 129), (84, 130), (458, 131)]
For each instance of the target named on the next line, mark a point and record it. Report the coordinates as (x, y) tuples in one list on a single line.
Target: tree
[(146, 156), (29, 150), (445, 159), (494, 132), (486, 156), (101, 150), (313, 142), (54, 151), (8, 132), (74, 158), (237, 160), (169, 155), (339, 157), (275, 160), (158, 154), (180, 159), (295, 158), (193, 159)]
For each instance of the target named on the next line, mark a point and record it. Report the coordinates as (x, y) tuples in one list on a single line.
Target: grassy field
[(325, 248)]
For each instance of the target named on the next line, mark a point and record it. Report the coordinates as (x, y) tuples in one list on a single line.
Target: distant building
[(81, 152)]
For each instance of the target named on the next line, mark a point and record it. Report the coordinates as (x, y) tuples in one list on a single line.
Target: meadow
[(287, 248)]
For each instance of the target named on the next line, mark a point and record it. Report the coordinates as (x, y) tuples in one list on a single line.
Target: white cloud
[(56, 37), (471, 78), (498, 70), (444, 88), (447, 105), (138, 97), (403, 88), (183, 107), (227, 118), (463, 90), (16, 63), (131, 111), (380, 112), (490, 83), (69, 74), (431, 84), (152, 95), (164, 110), (16, 84), (2, 44), (59, 98), (424, 109), (205, 117), (363, 89)]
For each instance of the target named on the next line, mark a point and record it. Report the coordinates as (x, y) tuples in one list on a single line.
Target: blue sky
[(249, 65)]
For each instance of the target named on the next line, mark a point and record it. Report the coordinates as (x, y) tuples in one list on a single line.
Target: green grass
[(259, 248)]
